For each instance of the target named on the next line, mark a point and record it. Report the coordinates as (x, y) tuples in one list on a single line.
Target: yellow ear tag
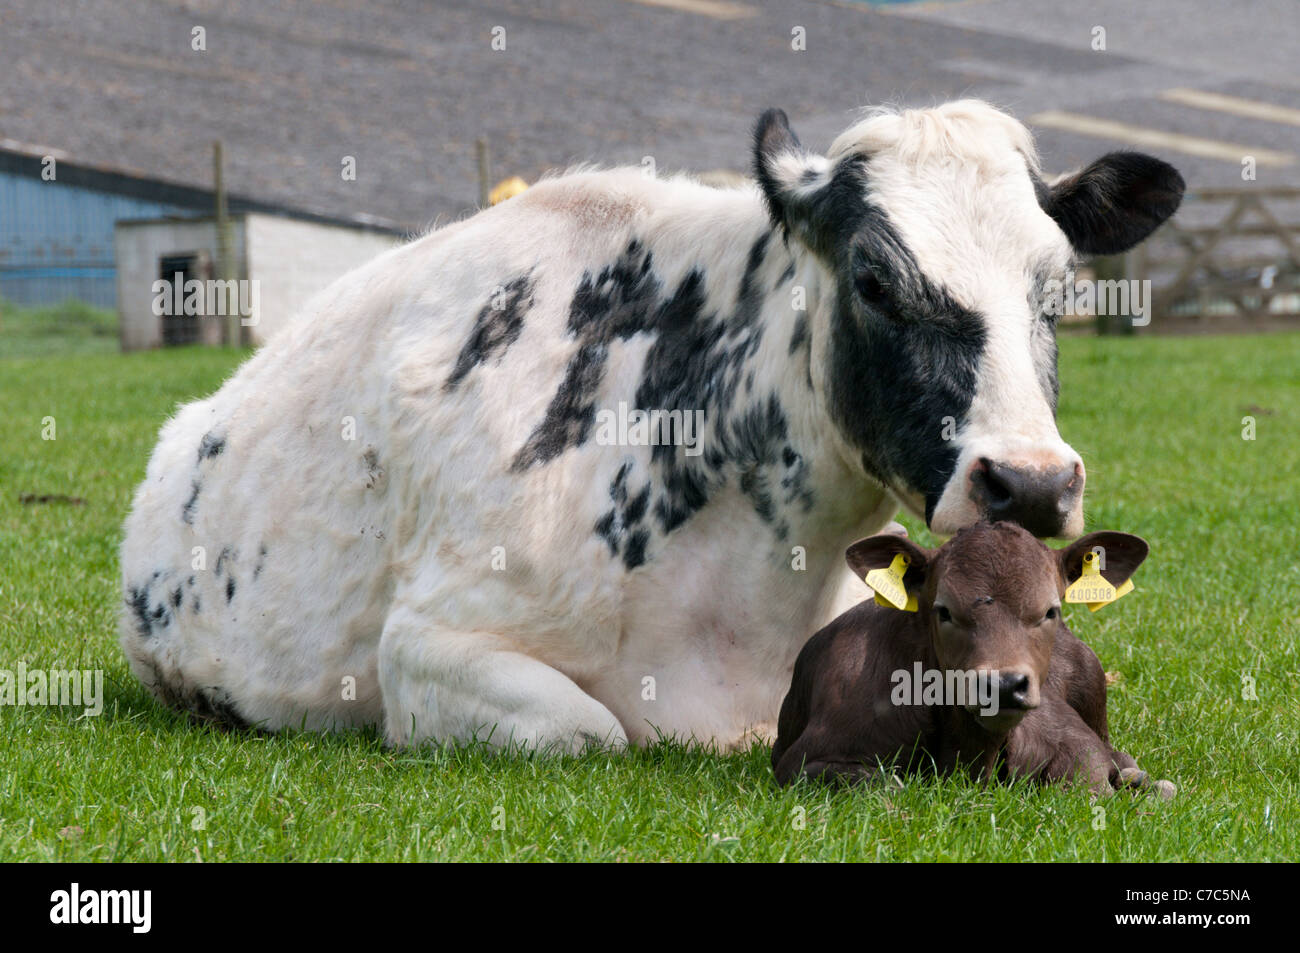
[(1125, 588), (888, 584), (1092, 585)]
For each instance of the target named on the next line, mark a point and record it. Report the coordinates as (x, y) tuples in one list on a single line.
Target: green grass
[(72, 327), (1158, 422)]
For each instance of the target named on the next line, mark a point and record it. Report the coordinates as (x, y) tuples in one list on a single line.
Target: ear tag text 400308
[(888, 585), (1093, 588)]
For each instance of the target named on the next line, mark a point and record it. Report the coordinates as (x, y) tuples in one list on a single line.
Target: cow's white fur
[(379, 551)]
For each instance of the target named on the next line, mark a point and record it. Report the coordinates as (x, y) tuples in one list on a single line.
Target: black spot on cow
[(572, 411), (612, 305), (261, 560), (226, 555), (772, 473), (683, 491), (618, 487), (150, 618), (177, 595), (496, 327), (216, 706), (697, 362), (210, 704), (606, 530), (800, 336), (634, 552), (187, 510), (138, 600), (636, 507), (786, 277), (618, 527), (211, 445), (225, 566)]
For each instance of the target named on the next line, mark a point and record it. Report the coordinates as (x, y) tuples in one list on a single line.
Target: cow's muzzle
[(1041, 499)]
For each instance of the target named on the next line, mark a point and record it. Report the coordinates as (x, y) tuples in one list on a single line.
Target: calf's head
[(990, 601), (935, 349)]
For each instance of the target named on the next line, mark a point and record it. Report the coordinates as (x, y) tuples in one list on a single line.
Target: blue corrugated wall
[(56, 240)]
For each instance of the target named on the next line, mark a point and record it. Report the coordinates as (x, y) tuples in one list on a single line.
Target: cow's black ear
[(1121, 554), (780, 164), (1114, 203), (877, 552)]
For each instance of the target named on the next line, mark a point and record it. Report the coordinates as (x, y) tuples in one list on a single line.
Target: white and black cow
[(401, 510)]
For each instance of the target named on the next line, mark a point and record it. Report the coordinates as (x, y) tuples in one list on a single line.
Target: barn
[(169, 291), (76, 229)]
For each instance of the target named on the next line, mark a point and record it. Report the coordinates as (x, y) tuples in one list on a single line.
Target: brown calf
[(988, 621)]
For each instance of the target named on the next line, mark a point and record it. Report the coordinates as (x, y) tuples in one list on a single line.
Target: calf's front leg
[(836, 772), (1052, 743)]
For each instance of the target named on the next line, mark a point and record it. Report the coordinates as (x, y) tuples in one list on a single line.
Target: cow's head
[(936, 352)]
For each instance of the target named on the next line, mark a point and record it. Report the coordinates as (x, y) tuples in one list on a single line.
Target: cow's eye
[(1051, 614), (942, 613), (869, 286)]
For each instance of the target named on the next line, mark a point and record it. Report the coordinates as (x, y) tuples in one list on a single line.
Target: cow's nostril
[(985, 477), (1038, 499)]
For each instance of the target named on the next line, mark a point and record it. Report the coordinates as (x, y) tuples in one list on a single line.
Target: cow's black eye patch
[(870, 288)]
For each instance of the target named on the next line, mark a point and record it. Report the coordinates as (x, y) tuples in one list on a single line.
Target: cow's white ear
[(787, 174), (1115, 202)]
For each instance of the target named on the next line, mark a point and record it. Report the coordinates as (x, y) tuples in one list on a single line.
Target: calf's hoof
[(1165, 789), (1133, 778)]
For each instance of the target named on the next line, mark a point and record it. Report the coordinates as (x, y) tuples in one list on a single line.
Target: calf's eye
[(943, 614), (1052, 613)]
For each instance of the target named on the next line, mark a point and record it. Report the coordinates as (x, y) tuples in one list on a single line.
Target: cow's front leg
[(445, 685)]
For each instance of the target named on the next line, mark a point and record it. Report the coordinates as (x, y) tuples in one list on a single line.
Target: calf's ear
[(1114, 203), (877, 552), (1121, 554)]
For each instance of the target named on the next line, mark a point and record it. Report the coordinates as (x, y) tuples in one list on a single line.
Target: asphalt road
[(406, 86)]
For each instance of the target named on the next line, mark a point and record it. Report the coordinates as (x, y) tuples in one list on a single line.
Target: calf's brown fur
[(989, 601)]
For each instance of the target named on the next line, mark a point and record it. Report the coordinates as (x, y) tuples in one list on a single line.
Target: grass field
[(1159, 423)]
